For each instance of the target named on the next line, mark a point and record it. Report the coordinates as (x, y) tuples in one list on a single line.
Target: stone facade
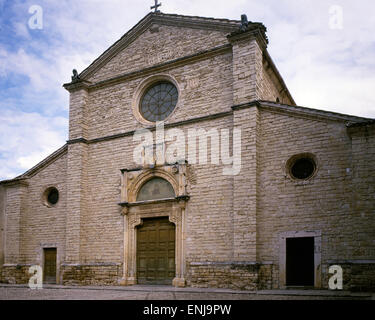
[(2, 211), (231, 230)]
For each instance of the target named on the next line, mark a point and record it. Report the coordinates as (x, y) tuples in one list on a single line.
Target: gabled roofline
[(225, 25), (34, 170)]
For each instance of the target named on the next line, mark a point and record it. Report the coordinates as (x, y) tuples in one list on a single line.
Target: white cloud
[(324, 68), (26, 139)]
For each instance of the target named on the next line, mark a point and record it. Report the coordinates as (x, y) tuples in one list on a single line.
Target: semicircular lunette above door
[(156, 189)]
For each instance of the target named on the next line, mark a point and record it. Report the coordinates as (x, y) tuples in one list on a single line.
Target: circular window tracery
[(159, 101)]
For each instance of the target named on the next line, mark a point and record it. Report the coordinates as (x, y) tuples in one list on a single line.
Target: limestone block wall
[(2, 214), (42, 226), (101, 230), (14, 208), (173, 42), (237, 277), (15, 274), (76, 199), (247, 64), (270, 87), (254, 74), (363, 151), (245, 186), (324, 203), (205, 88), (210, 203), (91, 274), (78, 120), (30, 225), (233, 223)]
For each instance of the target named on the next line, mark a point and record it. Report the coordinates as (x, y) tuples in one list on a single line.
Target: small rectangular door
[(300, 262), (49, 270)]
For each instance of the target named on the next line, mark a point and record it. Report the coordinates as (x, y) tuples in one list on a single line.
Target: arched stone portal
[(135, 212)]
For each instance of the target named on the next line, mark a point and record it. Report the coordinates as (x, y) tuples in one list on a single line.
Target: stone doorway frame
[(134, 212), (41, 258), (317, 235)]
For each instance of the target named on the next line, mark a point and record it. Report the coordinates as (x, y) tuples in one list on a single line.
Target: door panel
[(49, 271), (156, 252), (300, 262)]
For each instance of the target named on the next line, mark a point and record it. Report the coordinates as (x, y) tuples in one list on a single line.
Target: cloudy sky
[(324, 49)]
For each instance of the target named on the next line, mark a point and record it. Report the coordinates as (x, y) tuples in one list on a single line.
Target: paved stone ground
[(14, 292)]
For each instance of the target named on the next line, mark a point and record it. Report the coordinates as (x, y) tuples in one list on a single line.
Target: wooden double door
[(156, 252)]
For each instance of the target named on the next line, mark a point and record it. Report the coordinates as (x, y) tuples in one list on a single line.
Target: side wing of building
[(30, 223)]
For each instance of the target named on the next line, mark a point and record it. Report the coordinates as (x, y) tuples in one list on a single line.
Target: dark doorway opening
[(49, 270), (300, 262), (156, 252)]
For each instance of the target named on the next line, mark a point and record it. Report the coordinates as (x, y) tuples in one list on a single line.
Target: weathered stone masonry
[(231, 231)]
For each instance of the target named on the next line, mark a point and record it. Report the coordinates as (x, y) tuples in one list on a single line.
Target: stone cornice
[(267, 105), (77, 85), (78, 140), (257, 31), (153, 128), (195, 22), (141, 203), (143, 168), (15, 182), (246, 105), (361, 128), (367, 123)]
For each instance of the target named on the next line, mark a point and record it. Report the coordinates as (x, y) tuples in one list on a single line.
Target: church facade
[(189, 164)]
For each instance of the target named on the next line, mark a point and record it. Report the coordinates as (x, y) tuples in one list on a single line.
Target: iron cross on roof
[(156, 6)]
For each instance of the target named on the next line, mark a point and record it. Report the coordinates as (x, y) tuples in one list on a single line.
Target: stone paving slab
[(138, 292), (141, 288)]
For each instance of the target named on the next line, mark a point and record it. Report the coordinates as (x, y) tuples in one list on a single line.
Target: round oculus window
[(159, 101), (51, 196), (303, 168)]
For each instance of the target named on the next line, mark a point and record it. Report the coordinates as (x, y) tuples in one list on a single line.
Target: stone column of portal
[(76, 169), (248, 48)]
